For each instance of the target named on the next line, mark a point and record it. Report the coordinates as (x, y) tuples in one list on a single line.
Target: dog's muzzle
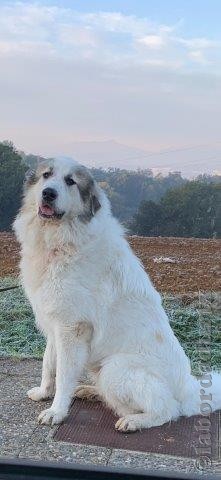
[(47, 208)]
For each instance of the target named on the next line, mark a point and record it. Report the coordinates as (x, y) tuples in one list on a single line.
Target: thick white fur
[(99, 310)]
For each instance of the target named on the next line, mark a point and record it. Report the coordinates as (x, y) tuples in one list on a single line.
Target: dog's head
[(62, 189)]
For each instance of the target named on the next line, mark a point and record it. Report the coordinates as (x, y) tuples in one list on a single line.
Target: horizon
[(139, 160)]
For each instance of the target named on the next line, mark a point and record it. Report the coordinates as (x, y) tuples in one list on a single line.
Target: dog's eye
[(46, 174), (69, 181)]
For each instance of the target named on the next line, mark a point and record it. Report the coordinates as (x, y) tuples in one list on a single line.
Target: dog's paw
[(127, 424), (51, 416), (87, 392), (37, 394)]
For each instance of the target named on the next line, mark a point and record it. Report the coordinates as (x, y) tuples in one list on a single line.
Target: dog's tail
[(202, 395)]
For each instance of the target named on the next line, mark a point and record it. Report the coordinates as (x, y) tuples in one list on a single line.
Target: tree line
[(193, 210), (148, 205)]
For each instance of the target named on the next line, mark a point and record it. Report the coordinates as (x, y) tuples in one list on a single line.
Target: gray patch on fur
[(45, 165), (30, 179), (32, 176), (87, 190)]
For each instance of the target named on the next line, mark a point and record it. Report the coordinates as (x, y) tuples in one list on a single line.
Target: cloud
[(152, 41), (72, 35), (108, 37), (118, 23), (201, 50), (201, 43), (198, 56)]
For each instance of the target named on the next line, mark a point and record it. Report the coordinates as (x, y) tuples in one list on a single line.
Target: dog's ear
[(94, 204), (89, 193), (30, 178)]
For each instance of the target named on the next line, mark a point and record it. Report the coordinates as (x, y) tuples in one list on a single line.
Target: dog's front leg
[(72, 353), (46, 389)]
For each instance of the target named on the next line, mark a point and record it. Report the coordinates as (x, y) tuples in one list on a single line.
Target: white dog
[(97, 307)]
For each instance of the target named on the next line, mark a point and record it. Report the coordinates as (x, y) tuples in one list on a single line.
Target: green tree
[(127, 188), (12, 171), (193, 210), (148, 220)]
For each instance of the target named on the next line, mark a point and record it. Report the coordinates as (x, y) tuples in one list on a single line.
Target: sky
[(145, 73)]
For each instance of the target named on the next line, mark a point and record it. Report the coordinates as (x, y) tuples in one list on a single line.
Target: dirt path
[(176, 265)]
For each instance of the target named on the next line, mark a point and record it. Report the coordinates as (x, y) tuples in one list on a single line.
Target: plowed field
[(175, 265)]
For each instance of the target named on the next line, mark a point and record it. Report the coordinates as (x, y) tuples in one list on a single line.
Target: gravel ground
[(21, 436)]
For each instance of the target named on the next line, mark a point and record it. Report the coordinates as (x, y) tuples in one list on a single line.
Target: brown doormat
[(93, 424)]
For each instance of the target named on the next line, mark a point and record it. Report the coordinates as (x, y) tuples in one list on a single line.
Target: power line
[(170, 150)]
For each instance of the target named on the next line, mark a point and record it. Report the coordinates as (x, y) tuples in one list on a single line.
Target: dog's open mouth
[(47, 211)]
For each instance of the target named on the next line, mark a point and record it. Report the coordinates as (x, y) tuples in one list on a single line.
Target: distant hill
[(106, 154), (190, 161)]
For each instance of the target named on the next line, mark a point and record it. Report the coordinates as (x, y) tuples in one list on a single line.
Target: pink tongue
[(46, 210)]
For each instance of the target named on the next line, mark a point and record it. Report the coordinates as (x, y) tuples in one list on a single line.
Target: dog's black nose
[(49, 194)]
